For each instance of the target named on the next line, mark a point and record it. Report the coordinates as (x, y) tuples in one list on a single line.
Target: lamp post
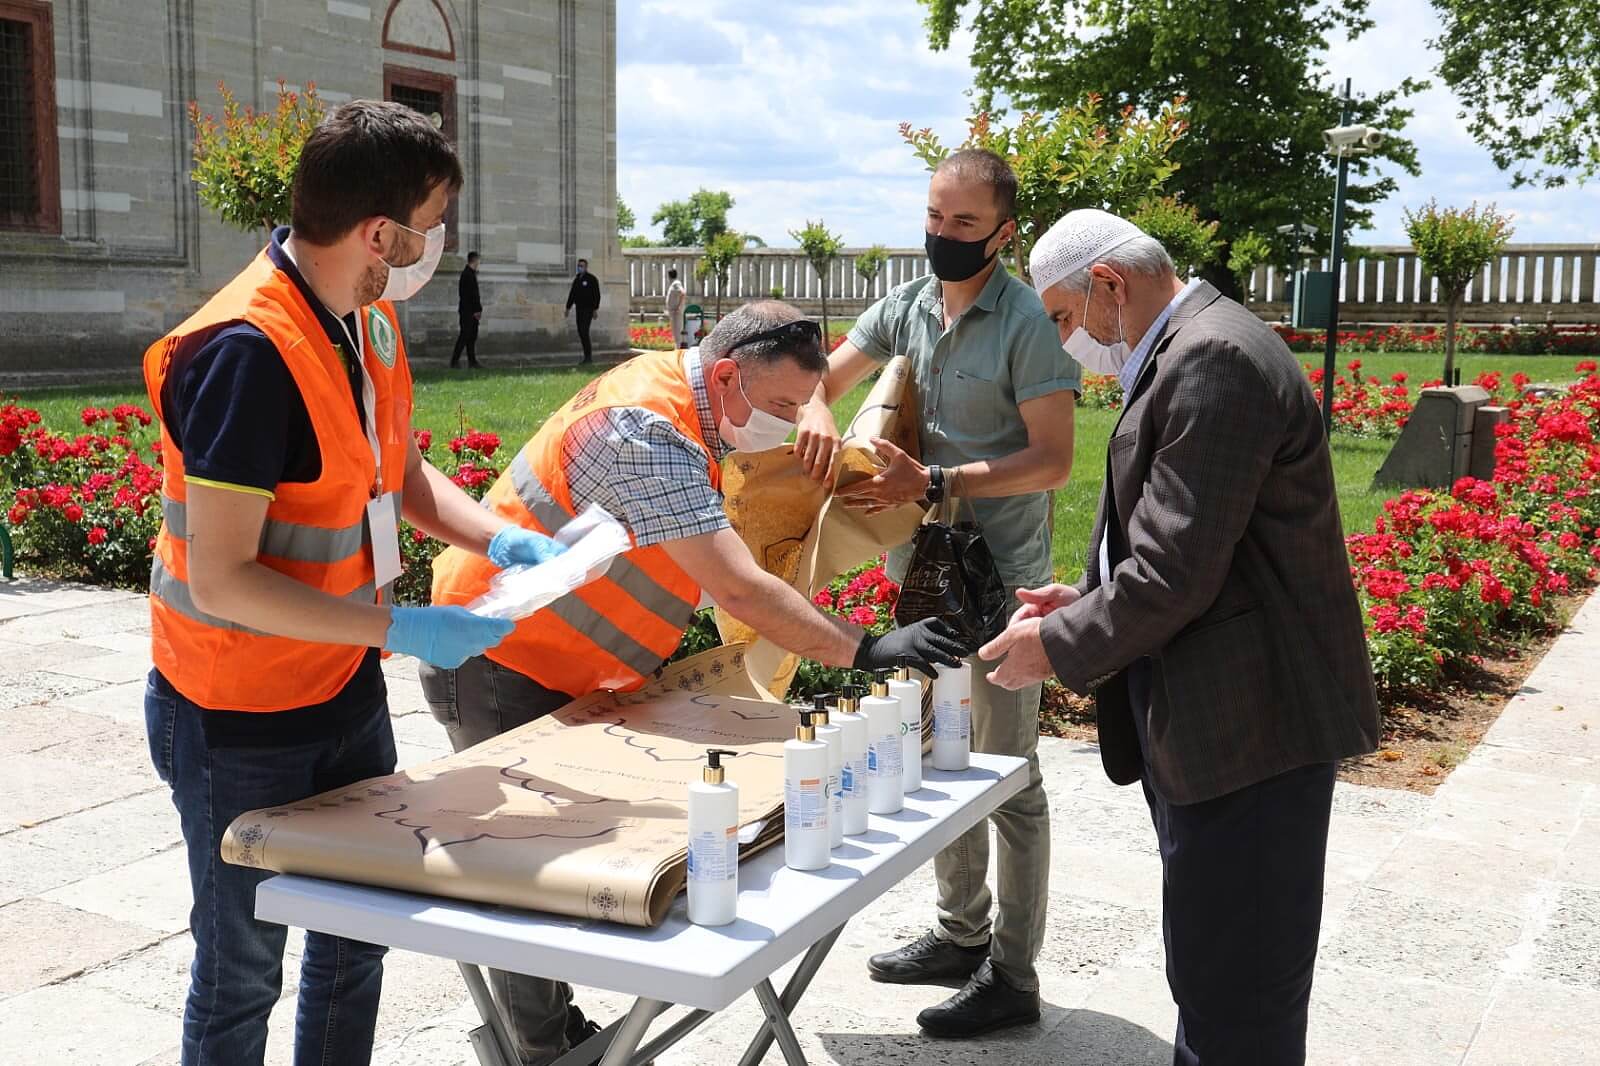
[(1344, 140)]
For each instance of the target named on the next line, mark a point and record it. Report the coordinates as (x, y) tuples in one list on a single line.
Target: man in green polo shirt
[(997, 395)]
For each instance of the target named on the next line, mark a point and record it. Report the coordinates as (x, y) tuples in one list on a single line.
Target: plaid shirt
[(645, 471)]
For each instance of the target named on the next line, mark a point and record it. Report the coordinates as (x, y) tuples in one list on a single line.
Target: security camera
[(1352, 139)]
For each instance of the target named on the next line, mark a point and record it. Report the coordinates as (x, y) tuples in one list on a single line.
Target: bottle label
[(953, 720), (847, 780), (714, 856), (805, 805), (884, 757), (855, 779)]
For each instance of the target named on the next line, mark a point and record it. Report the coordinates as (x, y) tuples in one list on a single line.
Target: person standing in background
[(677, 299), (585, 296), (470, 308)]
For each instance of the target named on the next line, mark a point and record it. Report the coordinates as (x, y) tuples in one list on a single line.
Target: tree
[(717, 259), (625, 219), (1190, 242), (1528, 79), (1252, 71), (244, 165), (821, 248), (1076, 157), (869, 264), (695, 221), (1249, 251), (1455, 244)]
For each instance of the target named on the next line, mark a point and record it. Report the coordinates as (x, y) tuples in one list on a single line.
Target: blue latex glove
[(514, 545), (443, 636)]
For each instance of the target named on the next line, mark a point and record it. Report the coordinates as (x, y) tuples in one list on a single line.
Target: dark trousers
[(466, 338), (479, 700), (1241, 912), (585, 316), (237, 972)]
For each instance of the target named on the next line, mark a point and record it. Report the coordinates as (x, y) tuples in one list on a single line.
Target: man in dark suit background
[(470, 308), (585, 296), (1216, 624)]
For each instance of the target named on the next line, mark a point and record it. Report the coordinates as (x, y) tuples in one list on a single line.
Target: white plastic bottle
[(909, 693), (833, 737), (805, 799), (853, 731), (885, 791), (713, 844), (952, 718)]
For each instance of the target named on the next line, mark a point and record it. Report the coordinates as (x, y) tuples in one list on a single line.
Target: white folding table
[(781, 914)]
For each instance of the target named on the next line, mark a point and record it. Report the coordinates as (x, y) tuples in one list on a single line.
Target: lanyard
[(369, 403)]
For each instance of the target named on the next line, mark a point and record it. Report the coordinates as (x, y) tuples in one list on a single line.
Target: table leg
[(809, 965), (778, 1024), (631, 1032), (500, 1051)]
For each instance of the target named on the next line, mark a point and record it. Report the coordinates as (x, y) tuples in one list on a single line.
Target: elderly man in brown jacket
[(1216, 624)]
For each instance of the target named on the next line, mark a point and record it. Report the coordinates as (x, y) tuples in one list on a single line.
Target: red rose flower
[(97, 535)]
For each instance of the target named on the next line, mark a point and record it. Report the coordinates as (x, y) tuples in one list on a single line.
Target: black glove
[(928, 644)]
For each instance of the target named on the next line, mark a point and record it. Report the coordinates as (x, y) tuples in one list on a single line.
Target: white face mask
[(762, 430), (406, 281), (1097, 358)]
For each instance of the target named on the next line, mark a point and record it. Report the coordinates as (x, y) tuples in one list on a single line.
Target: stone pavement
[(1460, 928)]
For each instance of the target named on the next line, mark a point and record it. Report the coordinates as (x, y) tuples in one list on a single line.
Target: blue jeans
[(237, 974)]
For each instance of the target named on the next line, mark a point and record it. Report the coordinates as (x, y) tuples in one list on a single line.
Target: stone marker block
[(1435, 448), (1484, 421)]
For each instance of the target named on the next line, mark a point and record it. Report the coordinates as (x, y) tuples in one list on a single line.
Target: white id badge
[(385, 538)]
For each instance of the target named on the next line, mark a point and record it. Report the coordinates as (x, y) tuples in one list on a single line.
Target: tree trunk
[(824, 313), (1450, 340)]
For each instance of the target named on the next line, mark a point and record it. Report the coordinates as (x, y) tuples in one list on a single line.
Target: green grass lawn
[(513, 403)]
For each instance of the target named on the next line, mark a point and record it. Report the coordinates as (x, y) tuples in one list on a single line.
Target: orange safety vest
[(316, 532), (615, 631)]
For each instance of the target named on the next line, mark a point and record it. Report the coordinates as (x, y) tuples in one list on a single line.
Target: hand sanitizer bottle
[(853, 731), (952, 718), (805, 799), (713, 844), (833, 737), (884, 791), (909, 693)]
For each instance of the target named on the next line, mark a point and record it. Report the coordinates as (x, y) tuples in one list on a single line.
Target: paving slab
[(1394, 935), (1568, 947), (72, 1025), (1537, 1023), (95, 940), (1365, 1017), (37, 789), (152, 892)]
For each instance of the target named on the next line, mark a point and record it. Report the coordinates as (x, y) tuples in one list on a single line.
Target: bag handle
[(945, 511)]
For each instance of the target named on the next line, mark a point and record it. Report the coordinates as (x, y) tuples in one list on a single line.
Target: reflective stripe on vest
[(286, 540), (661, 602), (170, 590)]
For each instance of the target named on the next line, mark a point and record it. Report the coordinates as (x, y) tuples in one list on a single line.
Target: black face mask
[(958, 260)]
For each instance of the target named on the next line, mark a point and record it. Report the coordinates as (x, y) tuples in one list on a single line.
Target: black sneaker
[(579, 1028), (927, 961), (988, 1003)]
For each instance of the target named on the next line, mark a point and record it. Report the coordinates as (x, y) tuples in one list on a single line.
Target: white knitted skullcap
[(1078, 239)]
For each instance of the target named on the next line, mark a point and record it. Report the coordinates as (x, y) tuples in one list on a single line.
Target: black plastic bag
[(952, 576)]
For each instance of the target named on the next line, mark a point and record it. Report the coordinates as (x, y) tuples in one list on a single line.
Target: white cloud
[(794, 108)]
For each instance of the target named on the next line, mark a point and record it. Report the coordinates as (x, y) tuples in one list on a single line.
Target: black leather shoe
[(988, 1003), (926, 961)]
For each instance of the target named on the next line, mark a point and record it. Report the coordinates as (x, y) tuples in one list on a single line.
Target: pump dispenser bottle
[(713, 844), (853, 732), (885, 788), (952, 718), (805, 798), (833, 737), (909, 693)]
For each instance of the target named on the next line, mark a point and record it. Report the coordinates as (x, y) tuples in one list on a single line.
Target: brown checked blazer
[(1229, 571)]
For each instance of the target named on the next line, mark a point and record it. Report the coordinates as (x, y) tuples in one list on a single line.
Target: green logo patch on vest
[(381, 336)]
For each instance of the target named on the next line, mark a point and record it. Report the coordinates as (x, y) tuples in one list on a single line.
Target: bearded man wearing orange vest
[(646, 441), (285, 408)]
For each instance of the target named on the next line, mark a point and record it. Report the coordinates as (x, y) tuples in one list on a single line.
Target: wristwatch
[(935, 491)]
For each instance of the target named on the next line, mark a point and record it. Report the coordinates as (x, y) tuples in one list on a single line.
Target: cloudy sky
[(793, 108)]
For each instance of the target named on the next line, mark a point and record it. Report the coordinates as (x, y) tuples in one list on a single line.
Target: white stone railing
[(1531, 282)]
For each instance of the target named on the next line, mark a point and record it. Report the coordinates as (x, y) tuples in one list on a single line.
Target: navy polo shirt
[(233, 408)]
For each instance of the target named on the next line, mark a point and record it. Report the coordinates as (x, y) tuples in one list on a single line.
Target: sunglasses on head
[(794, 334)]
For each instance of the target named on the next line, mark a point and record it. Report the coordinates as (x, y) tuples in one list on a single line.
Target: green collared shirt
[(969, 381)]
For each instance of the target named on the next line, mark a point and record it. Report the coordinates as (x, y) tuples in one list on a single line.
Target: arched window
[(420, 27)]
